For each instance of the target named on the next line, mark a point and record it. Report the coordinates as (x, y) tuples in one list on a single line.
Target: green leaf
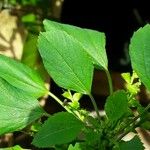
[(17, 109), (22, 77), (68, 95), (17, 147), (65, 61), (28, 18), (30, 53), (13, 2), (76, 147), (134, 88), (61, 128), (134, 144), (140, 54), (31, 56), (77, 96), (74, 97), (36, 126), (116, 105), (74, 105), (146, 125), (92, 137), (29, 2), (126, 77), (92, 42)]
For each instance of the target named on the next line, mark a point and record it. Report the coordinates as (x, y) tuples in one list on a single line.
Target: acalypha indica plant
[(70, 55)]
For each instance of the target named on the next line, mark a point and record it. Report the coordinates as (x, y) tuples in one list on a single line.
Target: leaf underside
[(17, 109), (67, 64), (22, 77), (140, 54), (91, 41)]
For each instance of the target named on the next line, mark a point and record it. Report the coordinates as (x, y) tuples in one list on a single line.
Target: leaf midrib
[(69, 68), (30, 83), (22, 82), (19, 108), (64, 30), (59, 131)]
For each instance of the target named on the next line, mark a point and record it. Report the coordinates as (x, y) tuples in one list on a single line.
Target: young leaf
[(17, 109), (67, 95), (92, 42), (140, 54), (126, 77), (116, 105), (21, 76), (135, 143), (61, 128), (17, 147), (75, 147), (29, 18), (65, 61), (77, 96)]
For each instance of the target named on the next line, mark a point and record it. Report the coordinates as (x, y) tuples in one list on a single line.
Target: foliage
[(29, 14), (116, 102), (18, 109), (17, 147), (70, 55), (22, 77), (134, 143), (58, 129)]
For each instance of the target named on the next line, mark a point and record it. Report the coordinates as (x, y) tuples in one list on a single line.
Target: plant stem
[(46, 115), (95, 106), (132, 121), (76, 114), (58, 101), (109, 81)]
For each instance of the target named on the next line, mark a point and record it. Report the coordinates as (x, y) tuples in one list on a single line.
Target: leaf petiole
[(109, 81), (95, 106), (59, 101)]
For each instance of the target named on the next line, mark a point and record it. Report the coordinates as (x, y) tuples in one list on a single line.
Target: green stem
[(95, 106), (109, 81), (46, 115), (132, 121), (58, 101)]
